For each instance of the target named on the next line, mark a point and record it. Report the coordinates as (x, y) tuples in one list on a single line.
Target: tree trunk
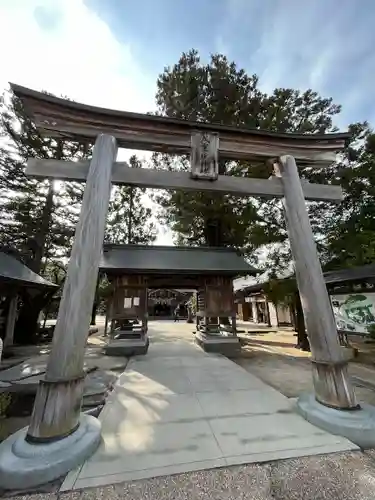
[(190, 315), (302, 339), (293, 315), (46, 311), (25, 332), (93, 313), (130, 220), (40, 239), (224, 320), (96, 303), (11, 321), (214, 233), (29, 313)]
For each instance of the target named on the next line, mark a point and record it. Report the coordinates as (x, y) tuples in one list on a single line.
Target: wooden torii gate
[(57, 406)]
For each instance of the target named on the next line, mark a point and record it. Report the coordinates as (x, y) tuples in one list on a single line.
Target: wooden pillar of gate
[(330, 373), (11, 321), (57, 405)]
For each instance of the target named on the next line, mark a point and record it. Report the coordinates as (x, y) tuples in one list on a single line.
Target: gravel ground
[(341, 476)]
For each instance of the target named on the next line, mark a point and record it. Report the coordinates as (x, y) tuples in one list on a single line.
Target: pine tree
[(348, 233), (129, 220), (220, 92), (37, 217)]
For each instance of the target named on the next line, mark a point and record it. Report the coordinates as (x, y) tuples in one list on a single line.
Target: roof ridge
[(114, 246)]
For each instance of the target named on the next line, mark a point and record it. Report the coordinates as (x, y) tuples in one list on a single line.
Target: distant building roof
[(250, 283), (13, 271), (358, 274), (174, 260), (241, 283), (350, 274)]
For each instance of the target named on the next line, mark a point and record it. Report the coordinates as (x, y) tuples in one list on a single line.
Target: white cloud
[(75, 56), (326, 46), (79, 58)]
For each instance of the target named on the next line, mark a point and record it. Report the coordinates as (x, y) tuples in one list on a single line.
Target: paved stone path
[(178, 410)]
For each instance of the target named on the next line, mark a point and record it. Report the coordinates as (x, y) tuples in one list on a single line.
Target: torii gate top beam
[(60, 117)]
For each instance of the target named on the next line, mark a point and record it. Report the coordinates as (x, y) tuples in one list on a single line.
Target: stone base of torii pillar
[(357, 425), (26, 465), (60, 437)]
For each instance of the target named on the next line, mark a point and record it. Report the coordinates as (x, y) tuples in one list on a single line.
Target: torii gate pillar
[(330, 374), (59, 436), (333, 407)]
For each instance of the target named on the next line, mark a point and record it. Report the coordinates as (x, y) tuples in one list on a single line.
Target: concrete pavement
[(178, 410)]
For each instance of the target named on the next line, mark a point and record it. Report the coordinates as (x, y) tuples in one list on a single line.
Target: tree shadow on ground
[(268, 342)]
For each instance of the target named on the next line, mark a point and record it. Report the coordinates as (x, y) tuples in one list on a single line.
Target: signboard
[(354, 312)]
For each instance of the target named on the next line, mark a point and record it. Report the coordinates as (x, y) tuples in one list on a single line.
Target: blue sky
[(110, 52), (328, 45)]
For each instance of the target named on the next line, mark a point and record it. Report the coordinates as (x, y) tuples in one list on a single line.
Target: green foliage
[(371, 331), (220, 92), (129, 220), (193, 303), (350, 227), (281, 292), (37, 218), (5, 402), (55, 272)]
